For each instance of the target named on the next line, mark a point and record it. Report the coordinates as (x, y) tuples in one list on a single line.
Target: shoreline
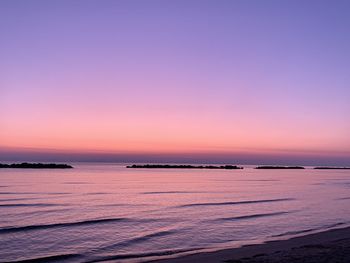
[(327, 246)]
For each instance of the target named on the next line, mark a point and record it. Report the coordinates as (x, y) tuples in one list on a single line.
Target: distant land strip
[(330, 168), (36, 165), (183, 166), (279, 167)]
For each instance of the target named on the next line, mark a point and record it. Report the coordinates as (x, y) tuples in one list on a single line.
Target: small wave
[(18, 193), (143, 255), (19, 199), (336, 179), (41, 212), (57, 193), (309, 230), (139, 239), (238, 202), (121, 205), (53, 258), (260, 180), (25, 205), (97, 193), (343, 198), (152, 235), (169, 192), (342, 184), (34, 193), (76, 183), (46, 226), (252, 216)]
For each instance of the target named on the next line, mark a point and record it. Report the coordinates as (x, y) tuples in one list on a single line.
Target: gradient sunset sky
[(241, 81)]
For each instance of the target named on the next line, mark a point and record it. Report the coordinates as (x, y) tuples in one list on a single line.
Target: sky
[(213, 81)]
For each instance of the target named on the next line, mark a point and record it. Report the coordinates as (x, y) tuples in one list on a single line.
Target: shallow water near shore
[(99, 212)]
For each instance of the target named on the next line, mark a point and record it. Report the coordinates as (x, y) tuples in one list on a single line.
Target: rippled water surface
[(99, 212)]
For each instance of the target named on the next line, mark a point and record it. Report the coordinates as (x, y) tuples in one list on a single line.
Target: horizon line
[(244, 158)]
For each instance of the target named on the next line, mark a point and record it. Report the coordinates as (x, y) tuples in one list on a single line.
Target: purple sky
[(261, 81)]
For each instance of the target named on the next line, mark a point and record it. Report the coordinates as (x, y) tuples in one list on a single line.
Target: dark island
[(183, 166), (332, 168), (36, 165), (279, 167)]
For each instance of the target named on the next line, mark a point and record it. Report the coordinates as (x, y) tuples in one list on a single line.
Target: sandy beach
[(324, 247)]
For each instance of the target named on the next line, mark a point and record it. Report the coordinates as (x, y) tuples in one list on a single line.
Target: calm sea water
[(101, 212)]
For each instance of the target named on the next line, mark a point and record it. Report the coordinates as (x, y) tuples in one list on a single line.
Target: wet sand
[(332, 246)]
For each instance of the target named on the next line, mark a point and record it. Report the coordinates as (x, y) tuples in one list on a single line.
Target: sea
[(103, 212)]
